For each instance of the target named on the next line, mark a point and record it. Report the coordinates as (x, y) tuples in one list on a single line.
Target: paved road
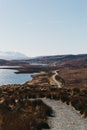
[(66, 118), (57, 83)]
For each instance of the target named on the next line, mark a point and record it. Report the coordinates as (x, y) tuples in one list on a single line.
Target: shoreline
[(16, 98)]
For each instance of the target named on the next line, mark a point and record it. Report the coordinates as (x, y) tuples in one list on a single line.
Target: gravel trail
[(66, 118), (56, 82)]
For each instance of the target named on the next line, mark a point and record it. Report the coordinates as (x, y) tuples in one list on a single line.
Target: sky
[(43, 27)]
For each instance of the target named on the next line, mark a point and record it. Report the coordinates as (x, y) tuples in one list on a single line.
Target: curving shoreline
[(16, 98)]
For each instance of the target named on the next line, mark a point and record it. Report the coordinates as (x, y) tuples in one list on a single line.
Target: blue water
[(8, 76)]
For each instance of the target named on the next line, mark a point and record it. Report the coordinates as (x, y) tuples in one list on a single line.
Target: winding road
[(65, 117), (57, 83)]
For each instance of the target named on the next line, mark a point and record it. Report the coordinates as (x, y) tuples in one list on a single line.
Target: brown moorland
[(75, 77), (21, 106), (24, 114)]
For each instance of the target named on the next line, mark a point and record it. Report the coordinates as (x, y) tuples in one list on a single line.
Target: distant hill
[(63, 61), (12, 56), (57, 58), (60, 61)]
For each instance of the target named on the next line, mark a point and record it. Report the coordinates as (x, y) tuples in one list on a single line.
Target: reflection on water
[(8, 76), (9, 67)]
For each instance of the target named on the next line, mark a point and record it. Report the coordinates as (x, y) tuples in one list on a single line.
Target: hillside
[(60, 61), (12, 55), (57, 58), (34, 105)]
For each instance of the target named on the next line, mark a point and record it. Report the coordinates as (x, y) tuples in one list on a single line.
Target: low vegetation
[(18, 114), (21, 106), (74, 77)]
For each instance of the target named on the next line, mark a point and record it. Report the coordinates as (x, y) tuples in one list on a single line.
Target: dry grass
[(31, 114), (74, 77), (24, 115), (19, 109)]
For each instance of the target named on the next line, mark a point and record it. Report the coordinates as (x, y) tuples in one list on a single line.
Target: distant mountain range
[(12, 56), (57, 58), (61, 61)]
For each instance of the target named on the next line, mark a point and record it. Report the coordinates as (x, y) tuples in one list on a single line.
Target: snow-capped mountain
[(12, 56)]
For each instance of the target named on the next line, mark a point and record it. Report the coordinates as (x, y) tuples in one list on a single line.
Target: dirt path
[(66, 118), (56, 82)]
